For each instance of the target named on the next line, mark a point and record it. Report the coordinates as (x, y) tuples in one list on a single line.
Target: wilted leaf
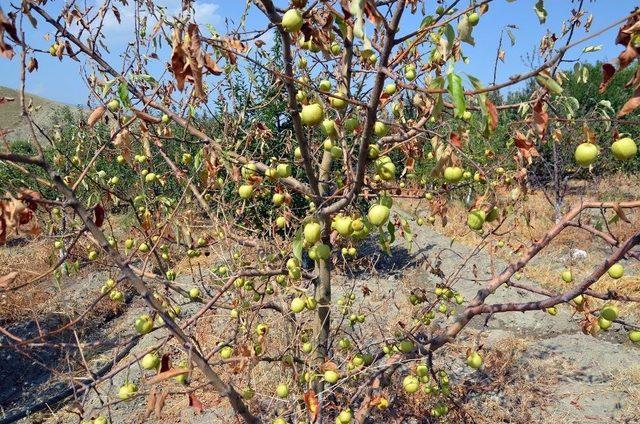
[(493, 114), (632, 104), (526, 148), (311, 400), (167, 375), (146, 117), (195, 403), (540, 118), (620, 212), (98, 213), (7, 279), (96, 115), (33, 65)]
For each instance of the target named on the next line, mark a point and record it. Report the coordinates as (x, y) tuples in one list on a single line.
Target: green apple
[(113, 105), (634, 336), (350, 124), (282, 391), (609, 312), (194, 293), (281, 222), (325, 85), (144, 247), (338, 103), (473, 19), (226, 352), (603, 323), (150, 361), (283, 170), (245, 191), (344, 417), (101, 419), (411, 384), (297, 305), (475, 219), (328, 127), (567, 276), (343, 225), (127, 391), (616, 271), (453, 174), (624, 149), (331, 376), (380, 129), (378, 215), (262, 329), (586, 154), (312, 114), (292, 20), (143, 324), (390, 89), (312, 232), (474, 360)]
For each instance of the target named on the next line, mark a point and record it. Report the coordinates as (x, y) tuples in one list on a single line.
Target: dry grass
[(29, 260)]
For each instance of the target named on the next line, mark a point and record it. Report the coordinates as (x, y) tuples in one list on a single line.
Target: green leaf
[(123, 94), (464, 30), (456, 90), (540, 11), (590, 49), (392, 231), (296, 245)]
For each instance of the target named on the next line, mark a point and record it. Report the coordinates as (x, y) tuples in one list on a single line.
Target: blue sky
[(63, 81)]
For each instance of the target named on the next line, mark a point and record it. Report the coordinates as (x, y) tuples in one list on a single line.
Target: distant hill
[(43, 111)]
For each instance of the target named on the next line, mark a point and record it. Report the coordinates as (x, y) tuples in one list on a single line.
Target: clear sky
[(63, 81)]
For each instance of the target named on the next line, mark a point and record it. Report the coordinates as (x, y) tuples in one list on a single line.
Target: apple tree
[(267, 156)]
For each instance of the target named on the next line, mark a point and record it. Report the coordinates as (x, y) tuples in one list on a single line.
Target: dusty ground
[(539, 368)]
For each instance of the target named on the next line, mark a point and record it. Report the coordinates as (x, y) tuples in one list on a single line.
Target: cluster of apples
[(622, 149)]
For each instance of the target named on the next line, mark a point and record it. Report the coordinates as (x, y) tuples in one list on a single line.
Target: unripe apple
[(586, 154), (410, 384), (390, 89), (475, 219), (328, 127), (301, 96), (422, 370), (323, 251), (350, 124), (279, 420), (453, 174), (624, 149), (331, 376), (343, 225), (53, 49), (127, 391), (245, 191), (405, 346), (282, 391), (262, 329), (374, 151), (634, 336), (277, 199), (58, 244), (93, 255), (609, 312), (144, 248), (474, 360), (186, 158), (312, 232), (150, 177), (312, 114), (143, 324), (297, 305), (335, 48), (113, 105), (150, 361), (283, 170), (101, 419), (466, 115), (378, 214), (194, 293), (281, 222), (380, 129), (325, 85), (579, 299), (410, 75), (473, 19), (297, 154), (344, 417), (603, 323), (553, 311), (292, 20), (567, 276), (165, 118), (500, 244), (338, 103), (616, 271), (247, 393), (114, 180)]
